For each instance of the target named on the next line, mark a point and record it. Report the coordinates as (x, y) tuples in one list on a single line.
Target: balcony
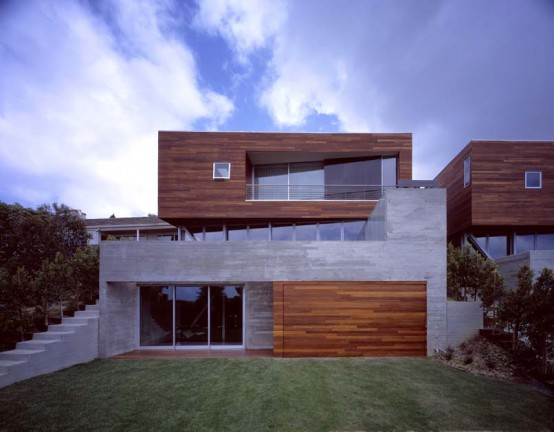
[(256, 192)]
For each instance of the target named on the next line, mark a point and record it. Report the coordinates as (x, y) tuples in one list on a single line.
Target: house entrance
[(191, 316)]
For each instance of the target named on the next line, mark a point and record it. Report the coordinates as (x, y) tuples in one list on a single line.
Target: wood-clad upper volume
[(497, 196), (187, 192)]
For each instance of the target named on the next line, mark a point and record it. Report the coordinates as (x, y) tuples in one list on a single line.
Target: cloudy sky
[(86, 85)]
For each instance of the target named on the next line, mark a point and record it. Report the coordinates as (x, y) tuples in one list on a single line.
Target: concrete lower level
[(194, 354)]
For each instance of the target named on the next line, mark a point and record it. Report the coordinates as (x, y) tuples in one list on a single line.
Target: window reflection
[(330, 231), (191, 315), (237, 233), (259, 232), (281, 232), (525, 243), (545, 241), (214, 233), (156, 311), (498, 246), (354, 230), (306, 232)]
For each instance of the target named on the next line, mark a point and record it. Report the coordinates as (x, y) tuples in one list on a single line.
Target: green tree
[(539, 315), (85, 264), (16, 297), (514, 306)]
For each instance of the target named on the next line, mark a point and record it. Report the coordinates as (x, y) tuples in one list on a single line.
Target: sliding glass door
[(191, 316)]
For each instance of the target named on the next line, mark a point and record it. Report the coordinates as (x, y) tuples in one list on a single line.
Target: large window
[(191, 316), (332, 179)]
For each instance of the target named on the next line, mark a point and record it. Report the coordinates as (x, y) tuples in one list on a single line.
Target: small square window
[(222, 171), (467, 171), (533, 180)]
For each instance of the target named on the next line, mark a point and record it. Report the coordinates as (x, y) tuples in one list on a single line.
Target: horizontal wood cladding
[(343, 319), (187, 192), (497, 196), (458, 197)]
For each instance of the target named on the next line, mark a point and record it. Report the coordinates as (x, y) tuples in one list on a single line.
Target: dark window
[(467, 171), (330, 231), (533, 180), (306, 232)]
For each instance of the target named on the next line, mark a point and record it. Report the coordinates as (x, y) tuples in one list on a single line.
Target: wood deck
[(193, 354)]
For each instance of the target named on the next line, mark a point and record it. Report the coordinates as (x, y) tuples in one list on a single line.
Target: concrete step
[(65, 327), (19, 354), (93, 307), (5, 365), (52, 335), (34, 344), (87, 314), (76, 320)]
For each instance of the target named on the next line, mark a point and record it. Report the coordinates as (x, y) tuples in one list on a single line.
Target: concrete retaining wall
[(414, 250), (464, 320), (537, 259)]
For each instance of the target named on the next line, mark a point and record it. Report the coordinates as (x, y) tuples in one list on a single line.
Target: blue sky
[(86, 85)]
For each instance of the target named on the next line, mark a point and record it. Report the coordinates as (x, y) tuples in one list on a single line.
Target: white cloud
[(445, 71), (81, 103), (246, 25)]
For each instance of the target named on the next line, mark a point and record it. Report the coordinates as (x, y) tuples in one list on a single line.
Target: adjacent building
[(305, 244), (501, 201)]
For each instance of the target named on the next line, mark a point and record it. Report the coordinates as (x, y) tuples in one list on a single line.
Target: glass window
[(330, 231), (482, 242), (271, 182), (354, 230), (281, 232), (194, 233), (545, 241), (259, 232), (156, 315), (525, 243), (389, 171), (222, 170), (237, 233), (467, 171), (533, 180), (191, 315), (497, 246), (214, 233), (226, 315), (306, 180), (306, 232)]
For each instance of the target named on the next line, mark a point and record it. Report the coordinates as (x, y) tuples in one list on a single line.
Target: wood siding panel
[(458, 197), (187, 192), (499, 194), (341, 319)]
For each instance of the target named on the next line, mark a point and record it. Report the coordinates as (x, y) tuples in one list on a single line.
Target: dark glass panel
[(306, 232), (545, 241), (226, 315), (525, 243), (191, 315), (306, 181), (389, 172), (329, 231), (156, 316), (533, 180), (196, 233), (354, 230), (281, 232), (214, 233), (498, 246), (259, 232), (482, 242), (237, 233), (271, 182)]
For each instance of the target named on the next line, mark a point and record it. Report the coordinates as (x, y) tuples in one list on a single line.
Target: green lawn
[(270, 394)]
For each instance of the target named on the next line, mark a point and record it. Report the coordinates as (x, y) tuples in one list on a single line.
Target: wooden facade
[(497, 198), (187, 194), (371, 319)]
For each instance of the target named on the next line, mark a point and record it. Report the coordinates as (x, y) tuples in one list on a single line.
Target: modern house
[(130, 228), (500, 198), (306, 244)]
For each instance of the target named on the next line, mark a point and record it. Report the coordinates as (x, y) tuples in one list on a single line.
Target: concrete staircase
[(73, 341)]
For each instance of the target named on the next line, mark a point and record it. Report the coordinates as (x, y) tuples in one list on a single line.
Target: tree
[(539, 316), (16, 296), (513, 308), (85, 263)]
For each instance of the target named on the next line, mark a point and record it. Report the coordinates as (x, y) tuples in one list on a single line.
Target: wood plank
[(350, 319), (187, 194)]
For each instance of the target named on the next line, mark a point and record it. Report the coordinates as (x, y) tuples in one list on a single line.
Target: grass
[(271, 394)]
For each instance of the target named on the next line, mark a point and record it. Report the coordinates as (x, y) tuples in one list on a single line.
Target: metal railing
[(314, 192)]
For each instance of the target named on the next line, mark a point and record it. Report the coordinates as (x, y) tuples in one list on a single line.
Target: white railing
[(314, 192)]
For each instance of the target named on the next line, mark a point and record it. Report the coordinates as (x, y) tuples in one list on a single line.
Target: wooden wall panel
[(458, 197), (499, 197), (187, 193), (497, 201), (339, 319)]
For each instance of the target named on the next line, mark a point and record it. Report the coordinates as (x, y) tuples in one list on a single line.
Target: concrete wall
[(259, 315), (118, 316), (464, 320), (537, 259), (414, 250)]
